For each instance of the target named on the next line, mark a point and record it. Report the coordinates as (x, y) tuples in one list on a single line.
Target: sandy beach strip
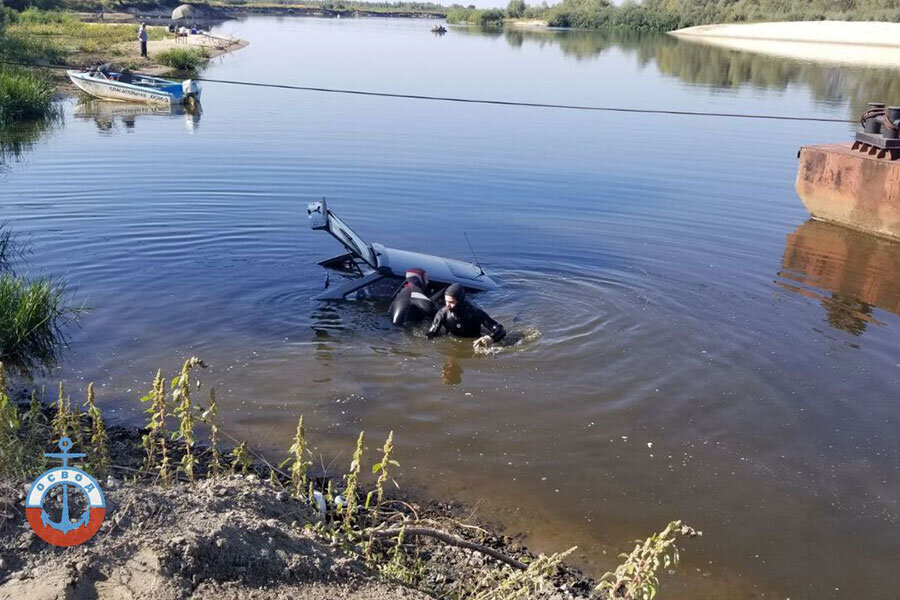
[(873, 44)]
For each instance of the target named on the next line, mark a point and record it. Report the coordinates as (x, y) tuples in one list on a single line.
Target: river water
[(692, 346)]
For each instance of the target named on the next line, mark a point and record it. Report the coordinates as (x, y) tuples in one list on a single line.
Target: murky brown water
[(692, 346)]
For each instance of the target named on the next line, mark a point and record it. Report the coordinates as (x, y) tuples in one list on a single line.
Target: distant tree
[(7, 15), (515, 9)]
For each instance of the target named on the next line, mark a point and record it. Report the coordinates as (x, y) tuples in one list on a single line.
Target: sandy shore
[(213, 44), (855, 43), (129, 53)]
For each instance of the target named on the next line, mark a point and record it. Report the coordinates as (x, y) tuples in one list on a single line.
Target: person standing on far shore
[(142, 36)]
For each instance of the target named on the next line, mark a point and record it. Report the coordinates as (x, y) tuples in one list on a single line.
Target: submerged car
[(370, 264)]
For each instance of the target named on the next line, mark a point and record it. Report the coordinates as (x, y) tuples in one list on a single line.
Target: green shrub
[(489, 18), (35, 15), (515, 9), (459, 15), (24, 95), (183, 59), (7, 16), (30, 49)]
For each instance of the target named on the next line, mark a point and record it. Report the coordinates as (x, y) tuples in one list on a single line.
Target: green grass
[(182, 59), (34, 15), (53, 37), (24, 95), (32, 316)]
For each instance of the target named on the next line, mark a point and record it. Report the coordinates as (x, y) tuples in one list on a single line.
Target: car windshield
[(350, 239)]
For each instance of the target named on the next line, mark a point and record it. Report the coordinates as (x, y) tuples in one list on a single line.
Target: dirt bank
[(840, 42), (230, 538), (246, 536)]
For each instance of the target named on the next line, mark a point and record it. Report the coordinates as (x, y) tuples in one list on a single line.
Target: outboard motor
[(411, 303), (190, 90)]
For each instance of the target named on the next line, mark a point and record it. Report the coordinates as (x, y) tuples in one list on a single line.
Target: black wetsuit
[(466, 320)]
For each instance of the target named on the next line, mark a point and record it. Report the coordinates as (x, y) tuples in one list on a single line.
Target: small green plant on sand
[(636, 578), (298, 462), (353, 480), (241, 457)]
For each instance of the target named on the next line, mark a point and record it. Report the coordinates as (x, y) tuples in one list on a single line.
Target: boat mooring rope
[(618, 109)]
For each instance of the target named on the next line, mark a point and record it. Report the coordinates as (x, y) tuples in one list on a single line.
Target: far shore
[(873, 44), (128, 53)]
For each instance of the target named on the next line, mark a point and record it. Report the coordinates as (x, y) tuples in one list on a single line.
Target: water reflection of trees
[(724, 68), (18, 139)]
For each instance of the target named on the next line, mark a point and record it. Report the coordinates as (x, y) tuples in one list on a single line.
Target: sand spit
[(872, 44)]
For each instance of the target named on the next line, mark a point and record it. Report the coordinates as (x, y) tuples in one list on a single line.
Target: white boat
[(134, 87)]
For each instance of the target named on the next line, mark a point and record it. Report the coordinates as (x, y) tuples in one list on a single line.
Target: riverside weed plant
[(297, 460), (636, 578), (353, 480), (209, 417), (98, 452), (382, 467), (522, 585), (35, 434), (10, 449), (154, 441), (241, 461), (184, 410), (61, 420)]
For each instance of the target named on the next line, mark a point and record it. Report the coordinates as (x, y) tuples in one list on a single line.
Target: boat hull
[(113, 90)]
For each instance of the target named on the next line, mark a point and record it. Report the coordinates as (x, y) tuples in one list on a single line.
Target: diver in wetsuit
[(463, 319), (412, 302)]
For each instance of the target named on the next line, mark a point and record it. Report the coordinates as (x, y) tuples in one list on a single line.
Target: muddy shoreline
[(241, 535)]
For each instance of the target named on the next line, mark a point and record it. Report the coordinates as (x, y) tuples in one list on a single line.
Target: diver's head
[(418, 277), (455, 297)]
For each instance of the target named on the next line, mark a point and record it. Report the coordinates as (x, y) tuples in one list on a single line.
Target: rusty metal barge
[(857, 184)]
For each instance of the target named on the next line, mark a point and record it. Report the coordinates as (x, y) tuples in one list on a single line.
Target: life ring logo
[(68, 531)]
